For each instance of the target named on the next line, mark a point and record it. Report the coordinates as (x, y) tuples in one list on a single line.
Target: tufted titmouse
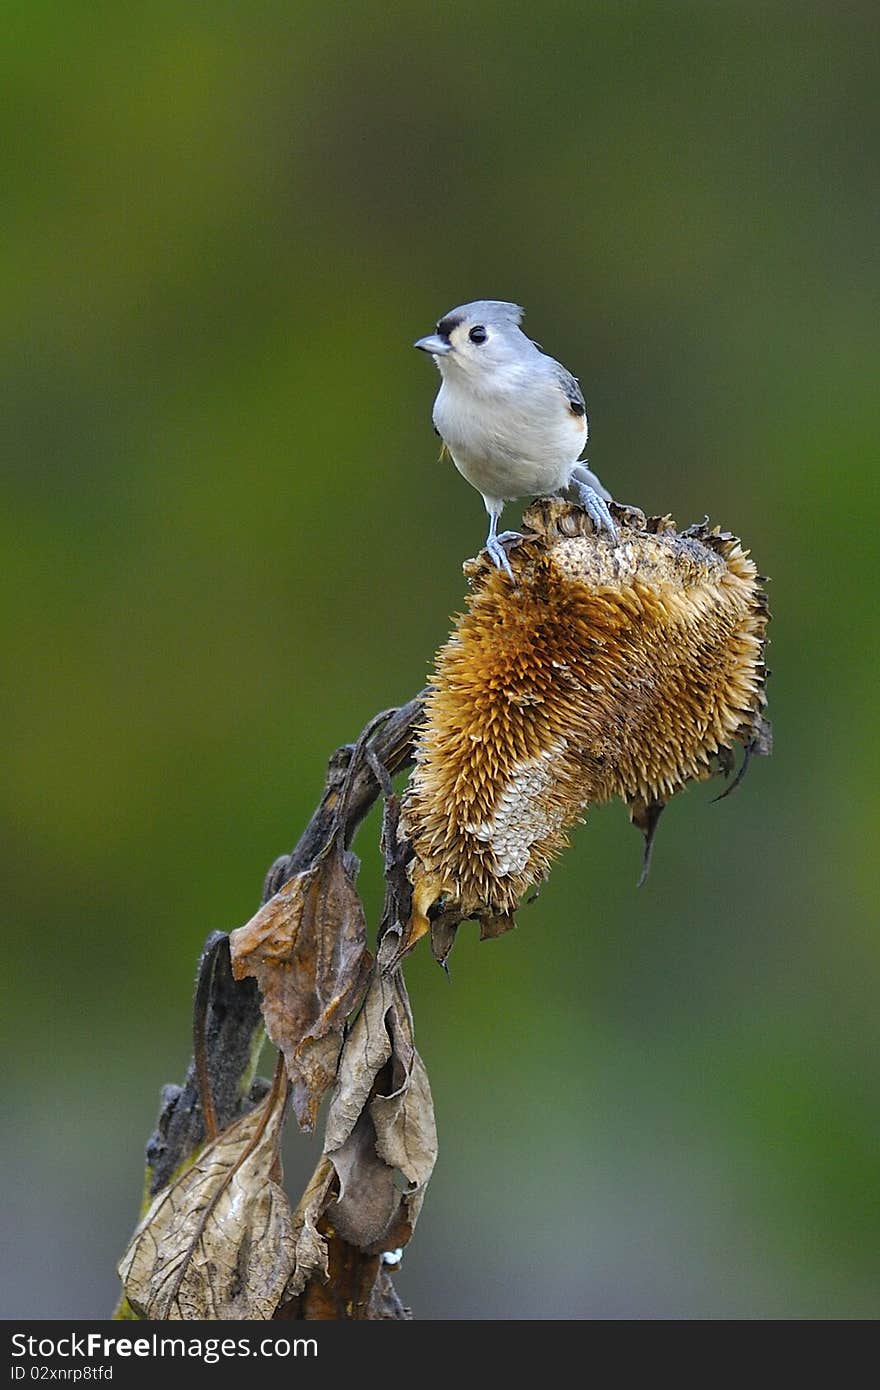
[(513, 419)]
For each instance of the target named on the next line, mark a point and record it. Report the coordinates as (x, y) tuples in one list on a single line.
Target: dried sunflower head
[(605, 671)]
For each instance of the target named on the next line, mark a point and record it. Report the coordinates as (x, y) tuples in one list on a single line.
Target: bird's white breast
[(518, 438)]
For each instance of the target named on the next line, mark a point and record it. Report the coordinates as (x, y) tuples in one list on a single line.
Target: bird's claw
[(498, 554), (597, 510)]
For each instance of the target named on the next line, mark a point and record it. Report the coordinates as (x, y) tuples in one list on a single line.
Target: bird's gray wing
[(570, 386)]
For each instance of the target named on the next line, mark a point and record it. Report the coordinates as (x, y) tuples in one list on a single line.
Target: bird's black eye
[(478, 334)]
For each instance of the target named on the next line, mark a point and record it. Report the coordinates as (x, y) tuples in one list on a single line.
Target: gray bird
[(513, 419)]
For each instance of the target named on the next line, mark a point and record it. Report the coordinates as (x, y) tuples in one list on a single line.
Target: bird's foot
[(498, 554), (597, 509)]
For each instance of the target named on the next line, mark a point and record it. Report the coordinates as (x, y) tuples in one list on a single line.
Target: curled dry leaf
[(368, 1200), (606, 670), (307, 950), (310, 1260), (219, 1242), (381, 1136)]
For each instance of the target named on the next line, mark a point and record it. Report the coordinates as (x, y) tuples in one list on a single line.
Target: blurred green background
[(227, 542)]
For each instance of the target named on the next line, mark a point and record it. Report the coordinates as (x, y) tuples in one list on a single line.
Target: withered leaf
[(381, 1136), (307, 950), (367, 1049), (645, 816), (219, 1241), (368, 1199), (406, 1135), (310, 1245)]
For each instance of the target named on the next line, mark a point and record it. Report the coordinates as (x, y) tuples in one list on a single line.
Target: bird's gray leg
[(586, 475), (594, 504), (493, 542)]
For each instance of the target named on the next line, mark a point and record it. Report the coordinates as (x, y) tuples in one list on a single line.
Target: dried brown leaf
[(310, 1244), (306, 948), (219, 1242), (367, 1049), (406, 1136), (368, 1200), (381, 1136)]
